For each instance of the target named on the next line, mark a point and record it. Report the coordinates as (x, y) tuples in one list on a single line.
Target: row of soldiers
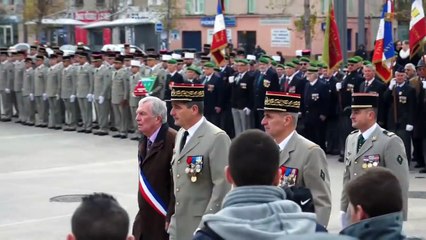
[(64, 89)]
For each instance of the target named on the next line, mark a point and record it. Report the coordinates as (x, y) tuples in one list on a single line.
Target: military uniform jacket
[(213, 93), (8, 74), (405, 99), (53, 81), (308, 161), (379, 87), (160, 81), (333, 105), (350, 84), (120, 86), (383, 149), (195, 199), (419, 117), (40, 77), (241, 90), (263, 83), (316, 101), (133, 81), (19, 75), (28, 82), (2, 76), (170, 80), (84, 80), (68, 82), (102, 82)]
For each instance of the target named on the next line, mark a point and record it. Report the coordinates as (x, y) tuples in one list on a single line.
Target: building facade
[(272, 25)]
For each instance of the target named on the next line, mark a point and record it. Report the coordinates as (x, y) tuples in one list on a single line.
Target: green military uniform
[(102, 92), (6, 88), (84, 95), (17, 86), (134, 100), (28, 96), (68, 95), (200, 192), (380, 148), (160, 80), (40, 76)]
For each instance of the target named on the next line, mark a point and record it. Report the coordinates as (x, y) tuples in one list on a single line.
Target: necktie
[(286, 84), (149, 144), (260, 79), (183, 140), (361, 141)]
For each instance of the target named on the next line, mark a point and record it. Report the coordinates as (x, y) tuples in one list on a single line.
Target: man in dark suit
[(193, 75), (315, 108), (400, 101), (172, 77), (373, 84), (213, 94), (241, 98), (226, 121), (266, 79), (332, 132), (155, 154)]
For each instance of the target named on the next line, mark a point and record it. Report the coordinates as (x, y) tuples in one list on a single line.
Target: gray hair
[(158, 107), (294, 116), (370, 66), (410, 66)]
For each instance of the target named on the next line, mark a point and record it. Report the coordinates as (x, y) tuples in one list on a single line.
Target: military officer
[(266, 79), (28, 93), (400, 101), (241, 97), (192, 74), (303, 163), (120, 98), (134, 79), (371, 146), (102, 94), (291, 82), (68, 93), (421, 71), (226, 70), (213, 94), (154, 70), (85, 91), (53, 91), (200, 156), (6, 86), (173, 77), (40, 77), (17, 84)]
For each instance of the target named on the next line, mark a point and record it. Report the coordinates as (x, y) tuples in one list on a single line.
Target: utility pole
[(342, 19), (168, 22), (361, 22)]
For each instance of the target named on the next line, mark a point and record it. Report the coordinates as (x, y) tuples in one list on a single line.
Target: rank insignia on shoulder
[(354, 131), (399, 159), (387, 133)]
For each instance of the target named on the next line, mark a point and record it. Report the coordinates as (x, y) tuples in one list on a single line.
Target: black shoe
[(340, 159), (135, 138), (123, 136), (423, 170), (57, 128), (5, 119), (95, 127), (113, 129), (419, 166), (88, 131), (50, 127), (19, 121), (101, 133), (43, 125), (81, 130), (116, 136), (131, 131), (29, 124)]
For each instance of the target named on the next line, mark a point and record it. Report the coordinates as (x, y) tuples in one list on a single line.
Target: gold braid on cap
[(186, 93), (281, 102)]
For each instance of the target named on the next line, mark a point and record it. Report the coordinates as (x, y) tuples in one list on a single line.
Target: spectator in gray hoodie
[(257, 208)]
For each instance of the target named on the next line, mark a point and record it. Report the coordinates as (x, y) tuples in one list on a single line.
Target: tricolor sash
[(150, 195)]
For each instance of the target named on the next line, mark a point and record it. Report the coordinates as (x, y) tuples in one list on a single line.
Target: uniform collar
[(369, 131), (284, 143)]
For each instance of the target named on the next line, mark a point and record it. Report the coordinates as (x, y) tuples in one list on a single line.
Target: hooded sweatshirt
[(261, 212), (384, 227)]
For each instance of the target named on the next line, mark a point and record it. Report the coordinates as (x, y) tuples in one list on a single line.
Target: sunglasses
[(303, 64)]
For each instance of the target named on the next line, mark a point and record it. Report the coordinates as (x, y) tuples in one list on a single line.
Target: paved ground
[(38, 164)]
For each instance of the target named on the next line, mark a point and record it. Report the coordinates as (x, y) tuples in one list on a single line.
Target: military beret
[(209, 65), (172, 61), (305, 59), (295, 61), (290, 65), (194, 69), (314, 64), (243, 61), (312, 69), (264, 60), (366, 62), (360, 59), (280, 66), (353, 60)]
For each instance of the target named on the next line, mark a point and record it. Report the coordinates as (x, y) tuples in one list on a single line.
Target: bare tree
[(307, 23)]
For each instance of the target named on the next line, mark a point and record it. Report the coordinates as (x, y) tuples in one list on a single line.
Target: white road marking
[(26, 135), (34, 220)]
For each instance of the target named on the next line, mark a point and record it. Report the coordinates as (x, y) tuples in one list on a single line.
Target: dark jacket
[(405, 100), (316, 100), (241, 96), (170, 80), (263, 83), (351, 84), (379, 87), (213, 93), (333, 105), (155, 165), (224, 75)]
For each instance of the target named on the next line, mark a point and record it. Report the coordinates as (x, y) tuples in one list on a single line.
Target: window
[(349, 36), (251, 6), (79, 3), (226, 3), (100, 3), (194, 7)]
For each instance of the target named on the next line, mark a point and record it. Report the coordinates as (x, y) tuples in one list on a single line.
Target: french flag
[(384, 50), (417, 27), (219, 41)]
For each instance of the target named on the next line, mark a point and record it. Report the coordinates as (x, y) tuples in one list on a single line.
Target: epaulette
[(354, 131), (387, 133)]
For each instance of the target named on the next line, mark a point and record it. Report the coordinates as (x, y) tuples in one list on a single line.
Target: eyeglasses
[(303, 64)]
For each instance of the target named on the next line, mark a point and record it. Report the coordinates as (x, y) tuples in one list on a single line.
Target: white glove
[(392, 84), (231, 79), (344, 221), (89, 97), (148, 94), (44, 96), (247, 111), (72, 98), (7, 90), (31, 97), (57, 96), (338, 86), (101, 99), (409, 128), (424, 84)]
